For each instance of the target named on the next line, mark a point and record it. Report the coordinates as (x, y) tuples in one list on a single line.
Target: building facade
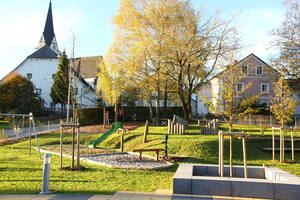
[(258, 76)]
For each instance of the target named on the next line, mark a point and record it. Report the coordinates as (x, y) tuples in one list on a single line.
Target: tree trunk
[(150, 110), (165, 100), (157, 110), (116, 111), (230, 125), (186, 106)]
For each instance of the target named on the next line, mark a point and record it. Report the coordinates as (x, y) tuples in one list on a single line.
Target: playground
[(20, 173)]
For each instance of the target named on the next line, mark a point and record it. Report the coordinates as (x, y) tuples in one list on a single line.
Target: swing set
[(17, 129)]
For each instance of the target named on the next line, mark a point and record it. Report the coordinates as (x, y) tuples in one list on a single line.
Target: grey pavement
[(120, 196), (24, 132)]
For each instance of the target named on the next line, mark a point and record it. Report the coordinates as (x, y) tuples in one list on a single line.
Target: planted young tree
[(59, 89), (225, 102), (287, 39), (18, 95), (283, 104)]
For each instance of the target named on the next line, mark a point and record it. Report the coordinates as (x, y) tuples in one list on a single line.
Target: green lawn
[(21, 174)]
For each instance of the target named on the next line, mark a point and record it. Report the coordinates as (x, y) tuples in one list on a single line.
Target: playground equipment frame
[(31, 122)]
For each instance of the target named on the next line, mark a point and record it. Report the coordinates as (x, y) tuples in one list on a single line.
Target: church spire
[(48, 36)]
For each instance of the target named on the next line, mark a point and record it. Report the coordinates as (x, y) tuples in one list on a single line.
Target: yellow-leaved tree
[(109, 86), (283, 104), (168, 42), (232, 85)]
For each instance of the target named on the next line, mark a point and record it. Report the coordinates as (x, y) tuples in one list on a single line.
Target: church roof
[(49, 29), (44, 52)]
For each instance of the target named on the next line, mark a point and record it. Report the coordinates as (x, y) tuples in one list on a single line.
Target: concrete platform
[(265, 183)]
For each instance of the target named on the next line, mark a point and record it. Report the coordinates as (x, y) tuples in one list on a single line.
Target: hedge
[(91, 116)]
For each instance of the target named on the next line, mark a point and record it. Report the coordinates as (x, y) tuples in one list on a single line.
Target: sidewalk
[(119, 196)]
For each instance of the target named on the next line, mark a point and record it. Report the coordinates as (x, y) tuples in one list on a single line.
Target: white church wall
[(42, 71)]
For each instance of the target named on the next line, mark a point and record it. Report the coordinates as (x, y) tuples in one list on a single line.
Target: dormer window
[(245, 69), (259, 70), (29, 76)]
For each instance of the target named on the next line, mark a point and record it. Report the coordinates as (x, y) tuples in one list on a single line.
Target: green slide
[(115, 126)]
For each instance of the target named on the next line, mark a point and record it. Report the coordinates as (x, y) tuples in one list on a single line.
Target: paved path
[(118, 196), (11, 134)]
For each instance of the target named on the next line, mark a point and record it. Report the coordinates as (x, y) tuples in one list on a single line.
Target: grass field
[(21, 174)]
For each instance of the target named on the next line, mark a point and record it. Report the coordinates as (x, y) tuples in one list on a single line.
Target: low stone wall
[(267, 183)]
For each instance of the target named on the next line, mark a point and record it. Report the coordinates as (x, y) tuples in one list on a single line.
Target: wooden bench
[(144, 150)]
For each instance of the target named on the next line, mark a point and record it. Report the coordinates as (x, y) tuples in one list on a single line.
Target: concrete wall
[(277, 184)]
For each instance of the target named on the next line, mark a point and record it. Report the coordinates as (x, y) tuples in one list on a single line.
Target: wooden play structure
[(210, 128), (282, 148), (221, 152), (121, 132), (177, 126), (148, 150), (74, 128), (146, 131)]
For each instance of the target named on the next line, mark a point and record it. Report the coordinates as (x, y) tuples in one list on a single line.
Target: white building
[(41, 66)]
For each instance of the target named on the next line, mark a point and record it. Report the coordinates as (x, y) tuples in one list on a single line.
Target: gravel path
[(127, 161)]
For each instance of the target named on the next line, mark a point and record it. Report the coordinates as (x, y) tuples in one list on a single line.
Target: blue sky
[(22, 23)]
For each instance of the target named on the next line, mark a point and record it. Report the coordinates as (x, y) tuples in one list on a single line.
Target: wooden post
[(169, 126), (104, 118), (78, 147), (292, 145), (29, 136), (61, 147), (222, 155), (273, 144), (230, 156), (281, 146), (174, 128), (73, 148), (245, 157), (182, 129), (122, 142), (177, 128), (146, 129)]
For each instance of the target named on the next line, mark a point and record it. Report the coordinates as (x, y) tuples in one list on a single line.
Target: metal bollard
[(46, 174)]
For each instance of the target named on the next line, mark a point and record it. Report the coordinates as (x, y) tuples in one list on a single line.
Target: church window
[(38, 91), (29, 76)]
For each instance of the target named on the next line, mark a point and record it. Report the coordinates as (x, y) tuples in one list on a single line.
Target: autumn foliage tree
[(158, 40), (287, 39), (283, 104), (226, 101), (18, 95), (109, 86)]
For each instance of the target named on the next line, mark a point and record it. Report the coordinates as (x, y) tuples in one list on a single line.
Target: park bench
[(148, 150)]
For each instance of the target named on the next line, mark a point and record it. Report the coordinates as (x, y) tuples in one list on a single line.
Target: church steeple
[(48, 37)]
